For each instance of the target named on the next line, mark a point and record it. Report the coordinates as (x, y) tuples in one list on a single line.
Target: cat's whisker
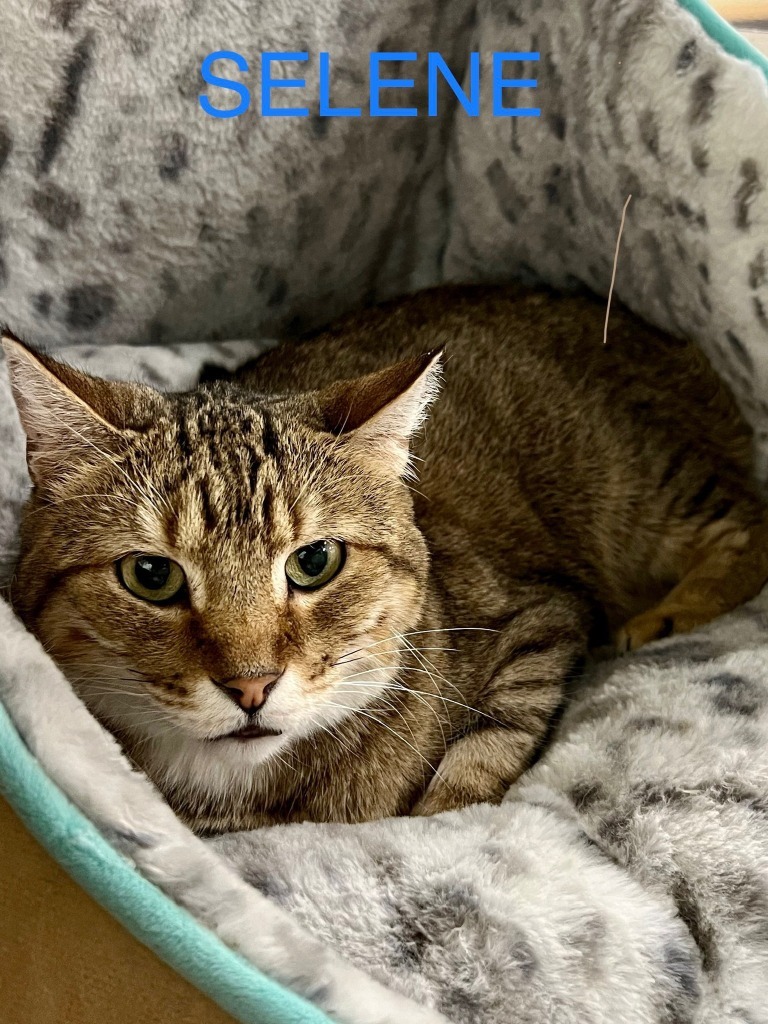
[(156, 711), (282, 760), (419, 693), (99, 672), (452, 629), (448, 649), (415, 490), (425, 662), (398, 650), (138, 745), (104, 675), (395, 710), (121, 469), (395, 667), (398, 711), (404, 689), (431, 678), (332, 731), (291, 753), (103, 691), (422, 632), (158, 717), (392, 672), (347, 660), (366, 714), (89, 664), (100, 686), (437, 696), (49, 504)]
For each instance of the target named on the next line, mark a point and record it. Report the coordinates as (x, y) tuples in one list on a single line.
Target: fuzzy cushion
[(625, 878)]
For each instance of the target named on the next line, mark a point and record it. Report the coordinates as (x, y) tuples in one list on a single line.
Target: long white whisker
[(425, 661), (435, 696), (49, 503), (133, 482), (365, 714), (423, 632), (344, 659), (419, 694)]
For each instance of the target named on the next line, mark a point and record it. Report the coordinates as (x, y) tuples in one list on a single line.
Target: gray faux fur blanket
[(625, 878)]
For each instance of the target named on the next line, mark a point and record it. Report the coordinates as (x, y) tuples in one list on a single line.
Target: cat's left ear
[(382, 411), (65, 412)]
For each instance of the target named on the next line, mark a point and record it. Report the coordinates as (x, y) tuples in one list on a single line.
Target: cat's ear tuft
[(382, 411), (65, 413)]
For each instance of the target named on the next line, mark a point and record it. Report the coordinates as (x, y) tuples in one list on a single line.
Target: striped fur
[(565, 489)]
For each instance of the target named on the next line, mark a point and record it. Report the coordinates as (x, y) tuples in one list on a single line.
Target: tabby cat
[(288, 601)]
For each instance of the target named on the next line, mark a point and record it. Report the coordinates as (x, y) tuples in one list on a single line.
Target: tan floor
[(65, 960), (759, 39), (750, 17), (741, 10)]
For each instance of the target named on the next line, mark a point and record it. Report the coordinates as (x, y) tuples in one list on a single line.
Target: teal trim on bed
[(236, 985), (724, 34)]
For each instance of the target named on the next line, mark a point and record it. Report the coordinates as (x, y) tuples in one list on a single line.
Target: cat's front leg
[(479, 768), (537, 651)]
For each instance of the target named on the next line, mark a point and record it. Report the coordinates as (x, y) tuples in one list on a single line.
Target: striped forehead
[(222, 429), (228, 465)]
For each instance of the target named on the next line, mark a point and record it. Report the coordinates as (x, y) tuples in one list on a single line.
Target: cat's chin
[(199, 767), (241, 746), (247, 734)]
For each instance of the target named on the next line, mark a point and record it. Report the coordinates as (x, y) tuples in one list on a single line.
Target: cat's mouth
[(252, 731)]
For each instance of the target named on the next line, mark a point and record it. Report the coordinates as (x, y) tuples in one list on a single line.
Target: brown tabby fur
[(567, 492)]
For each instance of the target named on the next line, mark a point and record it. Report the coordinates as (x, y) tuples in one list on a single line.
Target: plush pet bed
[(625, 878)]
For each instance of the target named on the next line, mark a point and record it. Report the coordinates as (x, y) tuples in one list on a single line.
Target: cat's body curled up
[(248, 585)]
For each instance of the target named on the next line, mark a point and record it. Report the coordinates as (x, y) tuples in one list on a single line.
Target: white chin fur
[(219, 767), (174, 757)]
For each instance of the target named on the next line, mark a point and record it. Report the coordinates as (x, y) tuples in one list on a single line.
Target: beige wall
[(747, 16)]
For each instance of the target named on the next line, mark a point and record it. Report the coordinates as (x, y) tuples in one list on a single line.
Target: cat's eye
[(151, 577), (314, 565)]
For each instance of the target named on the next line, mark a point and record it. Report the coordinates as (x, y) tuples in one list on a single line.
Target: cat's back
[(548, 448), (522, 360)]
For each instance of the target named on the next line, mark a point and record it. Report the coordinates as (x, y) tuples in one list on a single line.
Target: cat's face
[(179, 550)]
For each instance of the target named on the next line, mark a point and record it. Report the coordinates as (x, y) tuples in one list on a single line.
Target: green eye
[(151, 577), (315, 564)]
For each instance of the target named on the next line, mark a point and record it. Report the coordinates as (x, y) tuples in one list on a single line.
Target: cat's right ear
[(380, 412), (67, 414)]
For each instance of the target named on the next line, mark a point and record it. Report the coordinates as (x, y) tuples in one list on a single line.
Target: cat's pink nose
[(250, 692)]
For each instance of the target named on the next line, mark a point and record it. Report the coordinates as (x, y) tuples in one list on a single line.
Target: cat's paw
[(440, 797), (448, 795), (657, 624)]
